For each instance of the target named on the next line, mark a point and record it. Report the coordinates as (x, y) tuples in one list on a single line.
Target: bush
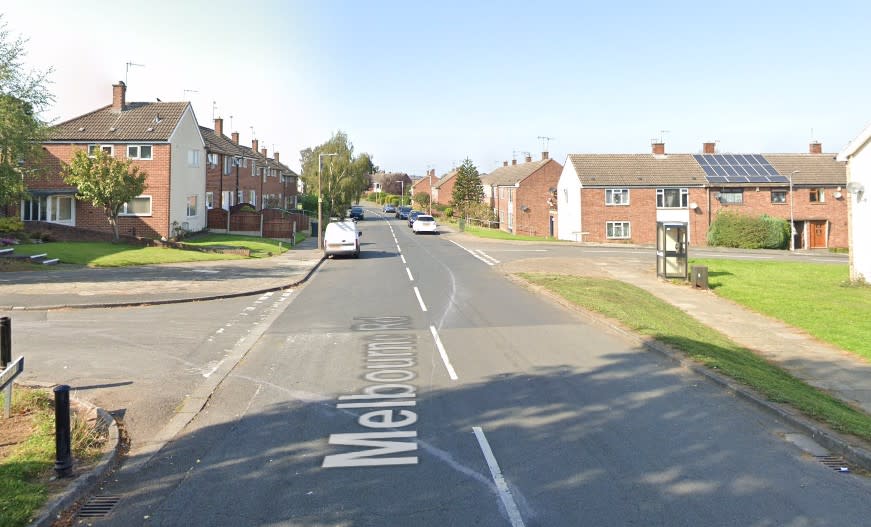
[(731, 229), (449, 212), (12, 227)]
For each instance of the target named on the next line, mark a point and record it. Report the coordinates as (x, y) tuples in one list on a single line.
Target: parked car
[(402, 212), (342, 238), (356, 213), (412, 216), (389, 208), (425, 223)]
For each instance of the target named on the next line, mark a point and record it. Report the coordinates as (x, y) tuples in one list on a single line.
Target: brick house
[(521, 195), (162, 138), (620, 197), (443, 189), (222, 154), (857, 155), (424, 185)]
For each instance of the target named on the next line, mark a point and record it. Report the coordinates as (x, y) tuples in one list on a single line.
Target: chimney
[(545, 155), (275, 155), (263, 152), (709, 148), (255, 145), (235, 137), (816, 148), (119, 96), (529, 159), (219, 126), (505, 163), (513, 161), (658, 149)]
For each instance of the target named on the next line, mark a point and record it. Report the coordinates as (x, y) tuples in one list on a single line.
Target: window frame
[(139, 152), (683, 197), (210, 200), (625, 226), (817, 195), (109, 149), (732, 192), (193, 158), (123, 211), (196, 207), (611, 192), (779, 192)]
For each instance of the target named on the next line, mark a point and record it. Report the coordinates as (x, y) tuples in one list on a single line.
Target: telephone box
[(671, 250)]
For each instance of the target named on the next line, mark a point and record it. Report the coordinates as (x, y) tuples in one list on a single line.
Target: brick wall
[(446, 191), (533, 192), (91, 218)]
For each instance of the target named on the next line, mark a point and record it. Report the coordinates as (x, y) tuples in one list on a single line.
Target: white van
[(342, 237)]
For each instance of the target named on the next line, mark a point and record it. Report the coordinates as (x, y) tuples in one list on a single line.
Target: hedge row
[(731, 229)]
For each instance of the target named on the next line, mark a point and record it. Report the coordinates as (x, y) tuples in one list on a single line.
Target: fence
[(269, 223)]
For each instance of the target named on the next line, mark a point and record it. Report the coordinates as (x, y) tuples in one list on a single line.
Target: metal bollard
[(5, 341), (63, 464)]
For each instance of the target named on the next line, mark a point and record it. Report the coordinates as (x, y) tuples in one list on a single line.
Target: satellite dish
[(854, 187), (837, 195)]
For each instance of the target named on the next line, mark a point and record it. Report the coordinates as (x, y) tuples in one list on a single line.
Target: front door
[(817, 234)]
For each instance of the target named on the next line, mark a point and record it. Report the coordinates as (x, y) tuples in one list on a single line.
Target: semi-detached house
[(521, 195), (621, 197), (162, 138)]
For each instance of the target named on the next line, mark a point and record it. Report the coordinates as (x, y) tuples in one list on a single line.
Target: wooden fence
[(269, 223)]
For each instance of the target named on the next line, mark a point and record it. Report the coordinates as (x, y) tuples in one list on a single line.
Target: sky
[(421, 85)]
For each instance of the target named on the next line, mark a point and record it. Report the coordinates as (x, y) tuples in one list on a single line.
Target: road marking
[(410, 278), (213, 370), (476, 255), (501, 484), (519, 250), (398, 249), (402, 256), (204, 271), (487, 257), (420, 299), (435, 335)]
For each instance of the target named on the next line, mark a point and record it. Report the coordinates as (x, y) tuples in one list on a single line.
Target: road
[(420, 387)]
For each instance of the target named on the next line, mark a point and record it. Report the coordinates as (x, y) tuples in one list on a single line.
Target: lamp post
[(320, 199), (401, 192), (429, 174), (237, 160), (791, 218)]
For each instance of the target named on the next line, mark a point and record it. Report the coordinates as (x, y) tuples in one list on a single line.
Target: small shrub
[(732, 229), (449, 212), (11, 227)]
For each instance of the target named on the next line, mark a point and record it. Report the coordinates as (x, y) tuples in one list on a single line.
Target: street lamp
[(429, 173), (791, 218), (401, 192), (320, 199)]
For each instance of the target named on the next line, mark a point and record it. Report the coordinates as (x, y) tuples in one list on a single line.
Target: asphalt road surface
[(419, 387)]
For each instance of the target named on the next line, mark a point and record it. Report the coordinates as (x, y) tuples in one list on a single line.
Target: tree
[(105, 181), (343, 177), (468, 189), (422, 199), (22, 96)]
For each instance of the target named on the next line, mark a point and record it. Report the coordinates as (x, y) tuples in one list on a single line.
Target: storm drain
[(836, 463), (98, 506)]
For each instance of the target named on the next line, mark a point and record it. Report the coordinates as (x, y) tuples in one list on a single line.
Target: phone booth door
[(671, 250)]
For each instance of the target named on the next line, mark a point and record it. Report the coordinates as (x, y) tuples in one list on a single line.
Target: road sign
[(11, 371)]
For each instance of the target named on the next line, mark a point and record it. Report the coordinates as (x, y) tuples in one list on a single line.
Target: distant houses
[(190, 169)]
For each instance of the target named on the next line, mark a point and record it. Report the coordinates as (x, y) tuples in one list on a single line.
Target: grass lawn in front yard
[(647, 315), (817, 298), (497, 234), (105, 254), (260, 247)]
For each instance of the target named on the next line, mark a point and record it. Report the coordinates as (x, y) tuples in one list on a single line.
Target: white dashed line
[(435, 335), (501, 485), (410, 278), (402, 256), (398, 249), (480, 255), (420, 299)]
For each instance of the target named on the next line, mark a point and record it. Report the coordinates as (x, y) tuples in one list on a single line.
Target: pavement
[(834, 370)]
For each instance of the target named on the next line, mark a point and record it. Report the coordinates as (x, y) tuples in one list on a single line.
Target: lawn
[(497, 234), (647, 315), (104, 254), (814, 297)]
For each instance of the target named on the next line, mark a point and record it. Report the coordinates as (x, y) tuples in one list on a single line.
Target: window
[(817, 195), (109, 149), (617, 196), (194, 158), (252, 195), (778, 196), (138, 206), (139, 151), (192, 206), (210, 200), (34, 209), (212, 160), (228, 162), (617, 230), (732, 196), (61, 208), (672, 198)]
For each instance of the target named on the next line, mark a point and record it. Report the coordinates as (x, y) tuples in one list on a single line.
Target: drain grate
[(98, 506), (836, 463)]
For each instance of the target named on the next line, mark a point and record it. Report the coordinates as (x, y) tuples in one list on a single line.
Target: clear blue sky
[(422, 85)]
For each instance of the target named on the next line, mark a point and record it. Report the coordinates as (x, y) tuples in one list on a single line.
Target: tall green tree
[(468, 189), (104, 181), (23, 94), (343, 176)]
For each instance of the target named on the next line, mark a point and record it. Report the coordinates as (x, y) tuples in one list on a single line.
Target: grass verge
[(647, 315), (27, 467), (817, 298), (497, 234)]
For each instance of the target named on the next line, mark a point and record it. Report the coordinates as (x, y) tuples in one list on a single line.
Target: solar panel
[(738, 168)]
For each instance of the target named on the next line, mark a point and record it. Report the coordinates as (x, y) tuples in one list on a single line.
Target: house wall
[(214, 184), (569, 204), (533, 192), (444, 193), (859, 170), (422, 186), (187, 180), (91, 218)]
